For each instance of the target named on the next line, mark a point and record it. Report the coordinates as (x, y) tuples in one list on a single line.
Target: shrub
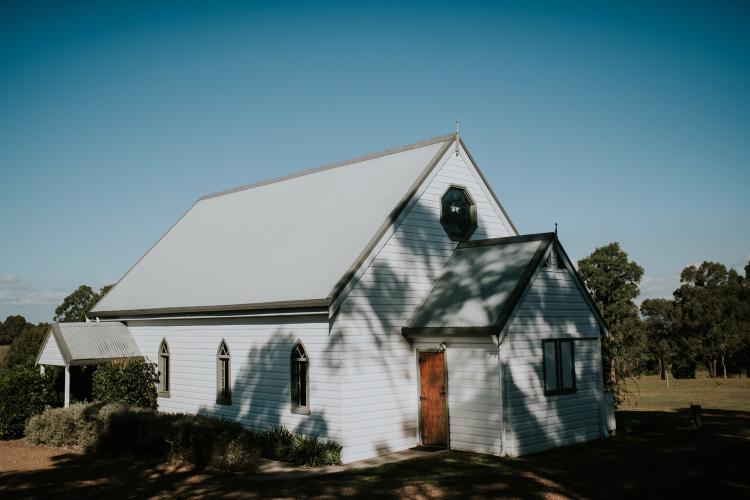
[(279, 443), (315, 452), (77, 425), (209, 441), (193, 439), (132, 383), (135, 430), (24, 392), (113, 427)]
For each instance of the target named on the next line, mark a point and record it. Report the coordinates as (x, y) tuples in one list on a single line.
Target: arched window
[(164, 368), (300, 380), (223, 375)]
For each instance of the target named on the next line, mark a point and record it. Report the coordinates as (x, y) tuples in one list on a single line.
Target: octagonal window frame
[(472, 214)]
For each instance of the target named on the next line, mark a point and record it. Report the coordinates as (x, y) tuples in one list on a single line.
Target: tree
[(710, 301), (77, 304), (25, 347), (11, 328), (24, 392), (613, 282), (659, 326)]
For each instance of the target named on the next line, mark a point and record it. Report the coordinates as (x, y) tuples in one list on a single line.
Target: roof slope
[(80, 342), (481, 283), (282, 242)]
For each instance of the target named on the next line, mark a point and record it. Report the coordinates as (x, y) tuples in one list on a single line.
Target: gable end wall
[(51, 354), (552, 309), (379, 393)]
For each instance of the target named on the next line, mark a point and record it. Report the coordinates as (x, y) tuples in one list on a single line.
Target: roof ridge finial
[(458, 136), (555, 229)]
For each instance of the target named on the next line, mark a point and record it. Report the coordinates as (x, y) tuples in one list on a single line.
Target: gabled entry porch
[(79, 344)]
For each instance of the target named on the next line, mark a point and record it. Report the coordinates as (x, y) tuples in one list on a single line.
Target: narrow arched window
[(223, 375), (164, 368), (300, 380)]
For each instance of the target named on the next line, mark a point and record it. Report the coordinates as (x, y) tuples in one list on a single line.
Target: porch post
[(67, 385)]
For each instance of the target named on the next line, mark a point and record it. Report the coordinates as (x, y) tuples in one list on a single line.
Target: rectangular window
[(559, 367)]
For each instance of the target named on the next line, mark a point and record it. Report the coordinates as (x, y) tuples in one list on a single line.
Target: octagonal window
[(458, 213)]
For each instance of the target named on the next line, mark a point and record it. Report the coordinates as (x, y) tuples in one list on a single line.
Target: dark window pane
[(566, 362), (550, 366)]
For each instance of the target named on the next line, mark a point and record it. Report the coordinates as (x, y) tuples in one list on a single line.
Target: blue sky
[(621, 121)]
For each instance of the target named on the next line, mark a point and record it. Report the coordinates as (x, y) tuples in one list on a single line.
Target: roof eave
[(455, 331), (281, 305)]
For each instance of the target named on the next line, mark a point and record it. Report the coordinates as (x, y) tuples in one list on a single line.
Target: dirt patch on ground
[(17, 455)]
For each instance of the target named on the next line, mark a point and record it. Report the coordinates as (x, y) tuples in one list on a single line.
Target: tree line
[(25, 339), (705, 325)]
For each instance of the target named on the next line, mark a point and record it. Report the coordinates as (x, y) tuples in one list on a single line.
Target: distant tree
[(661, 333), (710, 302), (613, 281), (77, 304), (25, 347), (11, 328)]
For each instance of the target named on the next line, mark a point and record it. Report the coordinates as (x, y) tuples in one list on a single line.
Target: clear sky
[(621, 121)]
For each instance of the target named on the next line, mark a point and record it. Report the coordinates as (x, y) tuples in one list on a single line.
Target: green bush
[(209, 441), (315, 452), (135, 430), (279, 443), (192, 439), (113, 427), (23, 393), (132, 383), (78, 425)]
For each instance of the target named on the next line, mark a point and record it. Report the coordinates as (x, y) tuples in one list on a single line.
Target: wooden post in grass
[(695, 415)]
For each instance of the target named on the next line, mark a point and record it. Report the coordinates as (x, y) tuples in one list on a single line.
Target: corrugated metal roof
[(481, 282), (94, 341), (288, 241)]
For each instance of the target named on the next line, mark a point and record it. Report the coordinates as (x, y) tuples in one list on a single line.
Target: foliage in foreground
[(279, 443), (132, 383), (23, 393), (193, 439)]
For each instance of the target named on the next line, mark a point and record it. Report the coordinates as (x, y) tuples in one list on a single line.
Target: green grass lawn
[(652, 393), (3, 352)]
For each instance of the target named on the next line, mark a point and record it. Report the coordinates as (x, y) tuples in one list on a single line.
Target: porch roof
[(480, 286), (86, 343)]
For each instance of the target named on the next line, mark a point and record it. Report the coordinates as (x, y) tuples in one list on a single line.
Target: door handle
[(422, 398)]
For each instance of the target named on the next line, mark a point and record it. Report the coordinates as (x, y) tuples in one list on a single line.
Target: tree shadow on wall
[(261, 390)]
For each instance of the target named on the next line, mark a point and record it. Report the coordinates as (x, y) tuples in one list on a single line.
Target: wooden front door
[(433, 415)]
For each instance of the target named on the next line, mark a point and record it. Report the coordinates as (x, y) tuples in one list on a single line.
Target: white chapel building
[(383, 302)]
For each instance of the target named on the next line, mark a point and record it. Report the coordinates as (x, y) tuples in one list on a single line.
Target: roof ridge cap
[(331, 166)]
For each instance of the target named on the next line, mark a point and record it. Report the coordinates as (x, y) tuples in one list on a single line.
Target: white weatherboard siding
[(553, 309), (474, 396), (379, 391), (51, 354), (260, 356)]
